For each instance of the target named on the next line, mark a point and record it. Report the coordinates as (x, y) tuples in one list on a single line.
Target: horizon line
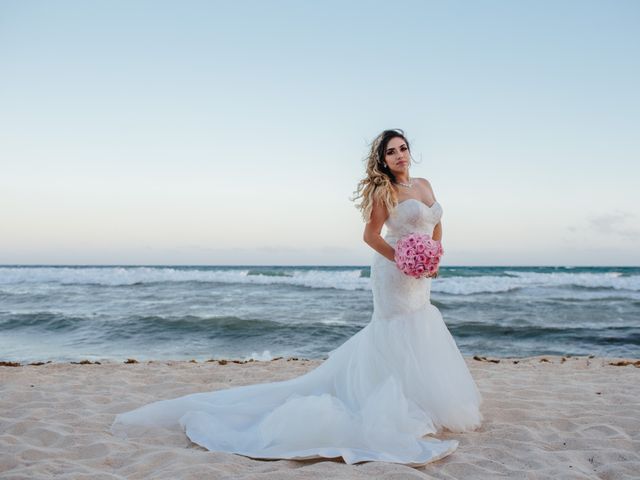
[(290, 265)]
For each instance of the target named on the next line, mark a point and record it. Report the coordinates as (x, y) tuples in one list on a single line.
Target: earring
[(385, 165)]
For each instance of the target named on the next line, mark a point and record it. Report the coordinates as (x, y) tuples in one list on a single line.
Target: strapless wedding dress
[(376, 397)]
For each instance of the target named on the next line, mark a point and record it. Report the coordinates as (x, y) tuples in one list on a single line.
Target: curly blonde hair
[(377, 184)]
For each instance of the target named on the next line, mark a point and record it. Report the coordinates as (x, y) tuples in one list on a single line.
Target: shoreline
[(614, 361), (577, 418)]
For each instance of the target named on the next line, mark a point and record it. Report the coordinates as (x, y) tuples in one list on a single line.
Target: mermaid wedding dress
[(375, 397)]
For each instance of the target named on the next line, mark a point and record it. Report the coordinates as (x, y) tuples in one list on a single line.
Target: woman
[(398, 379), (387, 184)]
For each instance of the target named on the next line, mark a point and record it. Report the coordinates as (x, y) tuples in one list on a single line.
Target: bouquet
[(418, 255)]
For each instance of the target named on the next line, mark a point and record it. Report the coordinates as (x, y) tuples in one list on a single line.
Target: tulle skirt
[(376, 397)]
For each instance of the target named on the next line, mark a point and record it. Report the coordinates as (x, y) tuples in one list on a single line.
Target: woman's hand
[(432, 275)]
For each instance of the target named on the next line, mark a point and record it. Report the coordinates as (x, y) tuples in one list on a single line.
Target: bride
[(377, 396)]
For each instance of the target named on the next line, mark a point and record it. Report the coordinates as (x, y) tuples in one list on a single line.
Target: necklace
[(408, 185)]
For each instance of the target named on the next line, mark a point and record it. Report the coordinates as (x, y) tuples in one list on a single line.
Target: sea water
[(70, 313)]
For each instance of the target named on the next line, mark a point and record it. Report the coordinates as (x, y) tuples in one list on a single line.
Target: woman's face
[(397, 155)]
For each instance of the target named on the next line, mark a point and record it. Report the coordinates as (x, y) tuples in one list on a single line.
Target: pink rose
[(417, 253), (431, 249)]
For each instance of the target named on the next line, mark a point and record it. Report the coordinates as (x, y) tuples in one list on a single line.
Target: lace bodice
[(412, 215)]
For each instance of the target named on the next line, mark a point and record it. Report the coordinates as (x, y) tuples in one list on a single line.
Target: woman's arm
[(437, 235), (373, 228), (437, 231)]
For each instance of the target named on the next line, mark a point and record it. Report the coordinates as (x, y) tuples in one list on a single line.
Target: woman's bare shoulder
[(424, 183)]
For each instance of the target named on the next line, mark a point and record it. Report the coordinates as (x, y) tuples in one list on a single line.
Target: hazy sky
[(148, 132)]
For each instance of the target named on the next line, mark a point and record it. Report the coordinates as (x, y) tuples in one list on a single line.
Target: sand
[(545, 417)]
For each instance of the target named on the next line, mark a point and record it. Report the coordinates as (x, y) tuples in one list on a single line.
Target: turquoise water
[(68, 313)]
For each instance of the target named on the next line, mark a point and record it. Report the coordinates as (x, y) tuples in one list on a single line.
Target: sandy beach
[(545, 417)]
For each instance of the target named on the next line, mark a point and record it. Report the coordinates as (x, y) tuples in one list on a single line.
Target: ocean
[(73, 313)]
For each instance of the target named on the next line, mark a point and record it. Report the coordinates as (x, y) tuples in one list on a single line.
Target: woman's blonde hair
[(377, 184)]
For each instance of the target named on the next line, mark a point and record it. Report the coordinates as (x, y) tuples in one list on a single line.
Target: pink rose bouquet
[(418, 255)]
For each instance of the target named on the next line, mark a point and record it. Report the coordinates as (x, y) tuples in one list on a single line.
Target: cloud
[(622, 224)]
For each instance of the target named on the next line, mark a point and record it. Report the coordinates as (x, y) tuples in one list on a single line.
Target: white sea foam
[(471, 285), (519, 279), (15, 278), (330, 321), (260, 357), (113, 276)]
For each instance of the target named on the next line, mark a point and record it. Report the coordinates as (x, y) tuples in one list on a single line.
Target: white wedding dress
[(376, 397)]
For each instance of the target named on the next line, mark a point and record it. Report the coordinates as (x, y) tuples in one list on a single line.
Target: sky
[(222, 133)]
